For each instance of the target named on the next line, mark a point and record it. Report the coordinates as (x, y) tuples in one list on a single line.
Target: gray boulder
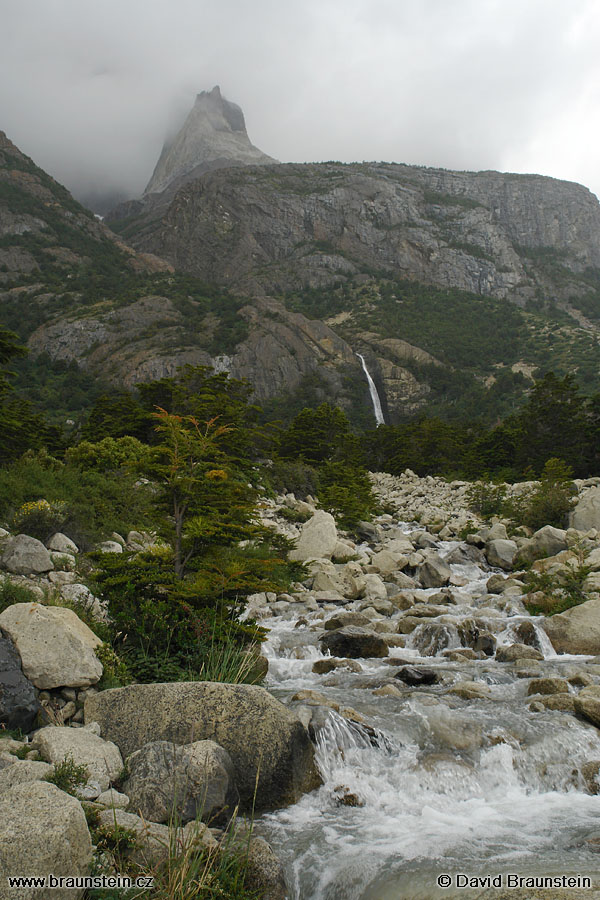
[(62, 544), (501, 553), (265, 873), (547, 541), (354, 643), (434, 572), (577, 630), (153, 841), (102, 758), (43, 831), (18, 701), (517, 651), (24, 555), (269, 747), (318, 538), (23, 771), (55, 646), (341, 619), (194, 781), (586, 513)]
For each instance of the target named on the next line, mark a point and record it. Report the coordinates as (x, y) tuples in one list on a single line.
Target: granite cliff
[(272, 229)]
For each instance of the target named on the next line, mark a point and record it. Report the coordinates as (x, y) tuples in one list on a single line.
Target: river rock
[(24, 555), (561, 702), (517, 651), (318, 538), (263, 738), (434, 572), (43, 831), (324, 666), (547, 686), (471, 690), (55, 646), (354, 642), (416, 676), (375, 589), (194, 781), (501, 553), (102, 758), (587, 704), (264, 873), (589, 772), (586, 513), (341, 619), (575, 631), (18, 701)]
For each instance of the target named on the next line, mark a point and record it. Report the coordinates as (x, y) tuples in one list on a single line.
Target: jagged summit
[(212, 137)]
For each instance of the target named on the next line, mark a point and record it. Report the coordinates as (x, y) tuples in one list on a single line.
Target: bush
[(11, 593), (292, 477), (346, 493), (486, 498), (39, 518), (67, 775), (550, 502)]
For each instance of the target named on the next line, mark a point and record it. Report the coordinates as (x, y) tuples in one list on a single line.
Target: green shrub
[(67, 775), (110, 454), (346, 493), (39, 518), (549, 503), (11, 593), (292, 477), (486, 498)]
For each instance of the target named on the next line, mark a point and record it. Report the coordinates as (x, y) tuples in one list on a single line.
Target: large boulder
[(501, 553), (55, 646), (577, 630), (547, 541), (24, 555), (354, 643), (318, 538), (102, 758), (21, 772), (194, 781), (586, 513), (270, 749), (18, 701), (43, 832), (60, 543), (434, 572)]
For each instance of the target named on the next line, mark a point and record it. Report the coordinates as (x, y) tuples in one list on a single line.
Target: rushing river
[(446, 785)]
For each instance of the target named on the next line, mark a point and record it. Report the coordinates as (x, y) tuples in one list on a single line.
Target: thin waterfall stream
[(432, 780), (375, 399)]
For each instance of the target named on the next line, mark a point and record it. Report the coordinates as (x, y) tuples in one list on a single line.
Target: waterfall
[(378, 412)]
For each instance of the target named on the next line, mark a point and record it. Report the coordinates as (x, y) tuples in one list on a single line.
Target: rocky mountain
[(455, 287), (213, 136)]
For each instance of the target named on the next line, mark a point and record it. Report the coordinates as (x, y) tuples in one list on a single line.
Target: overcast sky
[(89, 88)]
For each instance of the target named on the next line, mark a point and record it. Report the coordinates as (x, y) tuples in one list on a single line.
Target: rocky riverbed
[(451, 736)]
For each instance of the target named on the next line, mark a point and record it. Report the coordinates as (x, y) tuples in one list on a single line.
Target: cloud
[(91, 90)]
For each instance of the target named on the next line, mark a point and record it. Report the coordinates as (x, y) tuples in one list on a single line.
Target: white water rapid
[(377, 410), (436, 783)]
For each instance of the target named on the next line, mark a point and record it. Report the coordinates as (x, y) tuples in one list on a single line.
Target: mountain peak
[(213, 136)]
